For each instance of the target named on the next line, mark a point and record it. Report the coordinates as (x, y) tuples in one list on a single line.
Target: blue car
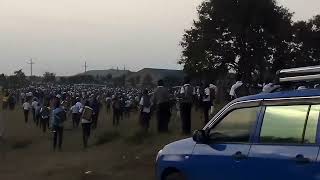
[(266, 136)]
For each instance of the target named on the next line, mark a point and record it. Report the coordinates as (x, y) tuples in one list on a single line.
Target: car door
[(224, 156), (286, 144)]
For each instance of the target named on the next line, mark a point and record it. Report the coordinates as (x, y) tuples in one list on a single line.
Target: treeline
[(248, 37), (19, 79)]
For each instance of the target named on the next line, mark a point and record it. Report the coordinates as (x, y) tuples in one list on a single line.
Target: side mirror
[(199, 136)]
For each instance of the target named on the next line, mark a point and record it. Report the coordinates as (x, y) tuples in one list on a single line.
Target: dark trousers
[(38, 119), (75, 119), (116, 117), (145, 120), (26, 116), (34, 115), (206, 105), (185, 110), (95, 118), (86, 131), (57, 137), (44, 123), (163, 116)]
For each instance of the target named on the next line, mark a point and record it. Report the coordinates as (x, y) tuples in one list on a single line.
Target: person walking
[(34, 105), (58, 117), (206, 103), (45, 116), (86, 121), (37, 113), (116, 110), (145, 109), (161, 100), (239, 89), (187, 93), (26, 108), (96, 111), (75, 110)]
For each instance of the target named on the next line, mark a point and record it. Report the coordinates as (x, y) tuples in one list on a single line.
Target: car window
[(312, 124), (284, 124), (236, 126)]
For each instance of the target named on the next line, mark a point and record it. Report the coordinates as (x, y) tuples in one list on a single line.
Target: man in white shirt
[(206, 103), (233, 89), (26, 108), (145, 106), (34, 105)]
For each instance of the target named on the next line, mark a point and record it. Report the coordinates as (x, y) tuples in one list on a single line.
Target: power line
[(31, 63)]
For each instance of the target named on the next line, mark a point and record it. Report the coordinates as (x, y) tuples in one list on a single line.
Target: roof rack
[(303, 74)]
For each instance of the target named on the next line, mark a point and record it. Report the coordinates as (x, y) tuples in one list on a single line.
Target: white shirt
[(206, 98), (187, 86), (74, 109), (268, 87), (78, 105), (34, 104), (234, 87), (26, 106), (145, 109)]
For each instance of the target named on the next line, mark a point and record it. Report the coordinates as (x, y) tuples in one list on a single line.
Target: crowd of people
[(49, 105)]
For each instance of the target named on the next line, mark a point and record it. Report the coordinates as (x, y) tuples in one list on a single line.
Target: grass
[(116, 153)]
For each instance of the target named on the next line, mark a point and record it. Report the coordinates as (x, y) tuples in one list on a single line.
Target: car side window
[(289, 124), (236, 127)]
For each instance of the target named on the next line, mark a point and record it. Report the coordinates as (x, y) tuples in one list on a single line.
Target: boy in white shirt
[(26, 108)]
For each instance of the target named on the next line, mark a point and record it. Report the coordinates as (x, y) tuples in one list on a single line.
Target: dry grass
[(114, 153)]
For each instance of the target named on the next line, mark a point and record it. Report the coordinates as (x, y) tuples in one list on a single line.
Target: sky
[(61, 35)]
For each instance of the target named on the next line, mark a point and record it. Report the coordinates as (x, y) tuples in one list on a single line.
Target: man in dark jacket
[(161, 100), (186, 96)]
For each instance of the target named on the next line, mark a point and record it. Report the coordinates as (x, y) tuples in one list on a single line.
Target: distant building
[(149, 77)]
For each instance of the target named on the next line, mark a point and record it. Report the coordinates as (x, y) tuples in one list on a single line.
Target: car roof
[(282, 94)]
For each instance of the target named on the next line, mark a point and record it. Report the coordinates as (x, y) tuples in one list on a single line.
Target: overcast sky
[(61, 34)]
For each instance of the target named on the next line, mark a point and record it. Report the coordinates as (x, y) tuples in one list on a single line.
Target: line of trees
[(254, 38)]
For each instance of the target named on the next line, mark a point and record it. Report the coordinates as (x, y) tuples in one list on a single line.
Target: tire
[(175, 176)]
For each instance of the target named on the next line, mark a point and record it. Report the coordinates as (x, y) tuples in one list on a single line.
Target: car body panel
[(215, 160), (175, 155), (264, 161), (280, 159)]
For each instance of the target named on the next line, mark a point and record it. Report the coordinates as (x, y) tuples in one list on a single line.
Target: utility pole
[(31, 65), (85, 66)]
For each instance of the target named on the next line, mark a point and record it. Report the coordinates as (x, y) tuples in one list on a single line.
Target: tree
[(3, 80), (238, 35), (17, 80), (49, 77)]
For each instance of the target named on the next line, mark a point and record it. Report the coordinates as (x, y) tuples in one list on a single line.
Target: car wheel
[(175, 176)]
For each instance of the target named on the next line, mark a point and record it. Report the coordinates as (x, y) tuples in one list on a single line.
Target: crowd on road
[(49, 106)]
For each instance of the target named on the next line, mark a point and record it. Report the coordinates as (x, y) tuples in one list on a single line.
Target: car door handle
[(300, 159), (239, 156)]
